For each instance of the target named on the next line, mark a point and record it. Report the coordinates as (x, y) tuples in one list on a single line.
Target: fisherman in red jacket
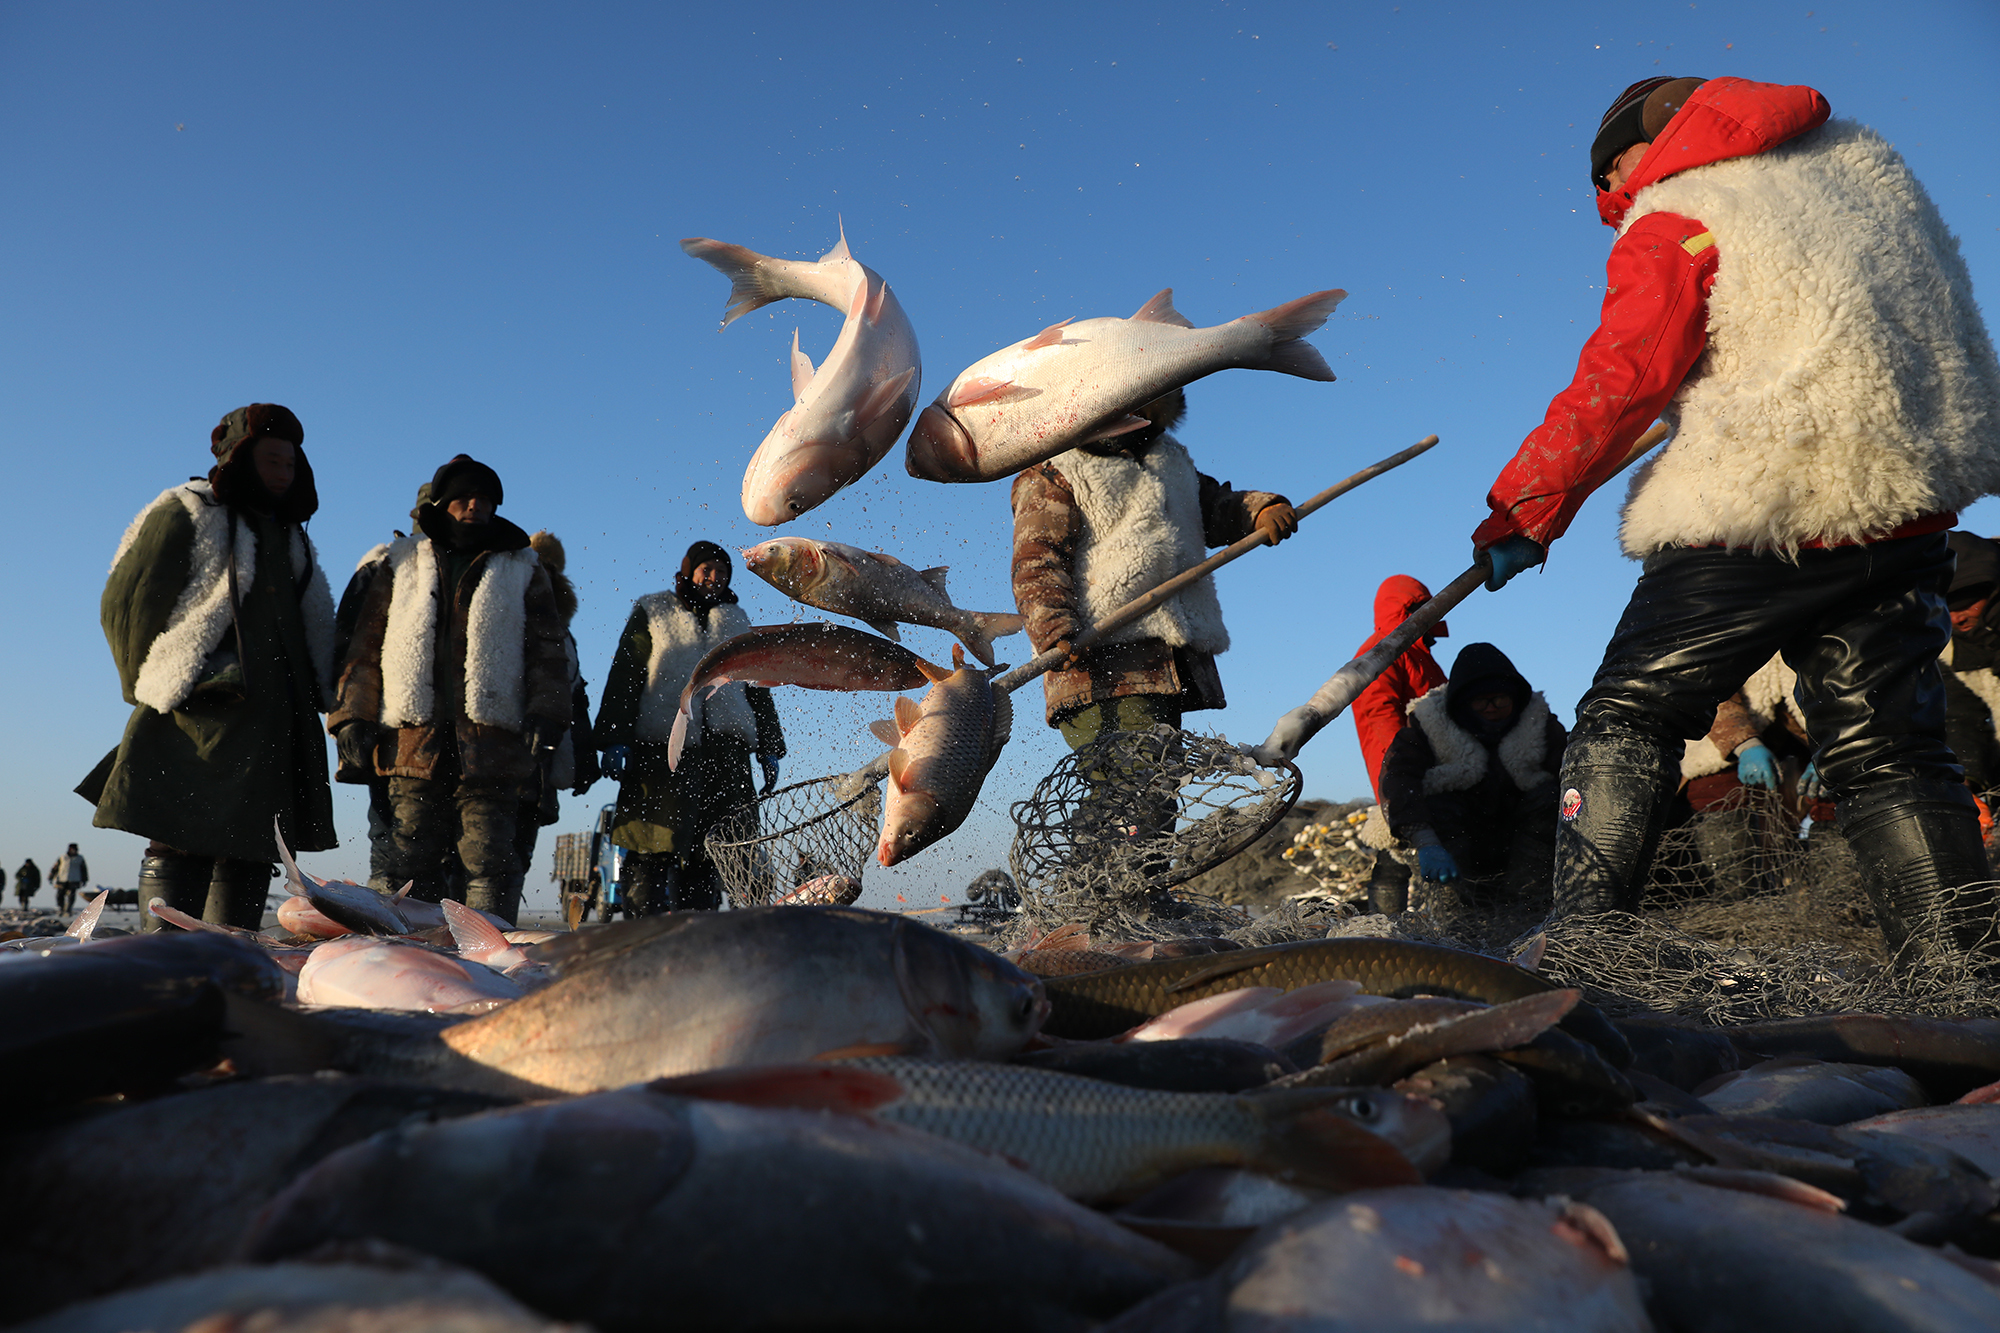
[(1784, 291), (1382, 710)]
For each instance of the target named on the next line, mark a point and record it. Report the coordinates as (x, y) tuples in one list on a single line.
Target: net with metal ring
[(1120, 822), (806, 835)]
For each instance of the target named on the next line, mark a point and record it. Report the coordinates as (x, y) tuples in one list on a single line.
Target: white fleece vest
[(1849, 384), (1768, 689), (679, 642), (1462, 758), (1142, 526), (496, 637), (202, 615), (1982, 682)]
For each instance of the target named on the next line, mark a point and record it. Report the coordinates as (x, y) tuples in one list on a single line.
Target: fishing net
[(799, 833), (1119, 823)]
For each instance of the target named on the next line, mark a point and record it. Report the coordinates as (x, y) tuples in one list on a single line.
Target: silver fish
[(875, 587), (849, 412), (1075, 383)]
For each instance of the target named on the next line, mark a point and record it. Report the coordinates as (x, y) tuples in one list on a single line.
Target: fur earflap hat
[(234, 476), (1638, 115)]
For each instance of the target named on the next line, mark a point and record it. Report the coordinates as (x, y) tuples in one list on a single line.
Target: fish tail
[(754, 279), (1289, 324), (1306, 1142), (982, 627)]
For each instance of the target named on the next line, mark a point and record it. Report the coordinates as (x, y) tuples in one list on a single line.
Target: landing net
[(799, 833)]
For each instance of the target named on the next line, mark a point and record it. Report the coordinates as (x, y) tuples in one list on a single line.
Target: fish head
[(941, 449), (781, 485), (786, 562), (966, 1001), (1416, 1125)]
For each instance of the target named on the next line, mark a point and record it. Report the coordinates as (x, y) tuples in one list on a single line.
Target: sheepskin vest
[(202, 617), (1462, 757), (496, 633), (679, 641), (1141, 526), (1982, 682), (1849, 384), (1768, 690)]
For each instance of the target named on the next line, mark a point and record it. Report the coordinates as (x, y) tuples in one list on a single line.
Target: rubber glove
[(1436, 865), (1756, 766), (770, 767), (614, 760), (1508, 557), (1810, 787)]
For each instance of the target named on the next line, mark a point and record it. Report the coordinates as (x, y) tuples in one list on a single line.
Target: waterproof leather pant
[(1861, 625), (218, 889)]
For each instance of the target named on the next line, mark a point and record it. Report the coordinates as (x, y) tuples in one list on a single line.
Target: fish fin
[(1591, 1231), (882, 729), (882, 556), (802, 369), (840, 250), (173, 916), (292, 871), (1529, 956), (677, 741), (878, 296), (862, 1050), (980, 628), (908, 712), (1767, 1183), (471, 932), (404, 892), (1215, 971), (899, 764), (1160, 310), (935, 576), (86, 921), (932, 672), (1499, 1028), (1289, 323), (886, 628), (978, 389), (1306, 1142), (750, 282), (1048, 337), (883, 398), (1003, 725), (1124, 425), (1066, 939), (801, 1087)]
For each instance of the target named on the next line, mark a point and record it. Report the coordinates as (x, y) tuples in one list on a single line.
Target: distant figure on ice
[(1971, 683), (1471, 782), (455, 686), (1103, 524), (1783, 289), (1382, 711), (221, 623), (68, 875), (26, 881), (664, 817)]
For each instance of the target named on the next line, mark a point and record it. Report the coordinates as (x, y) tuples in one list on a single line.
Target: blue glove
[(1436, 865), (1756, 766), (614, 760), (1508, 557), (770, 767), (1810, 787)]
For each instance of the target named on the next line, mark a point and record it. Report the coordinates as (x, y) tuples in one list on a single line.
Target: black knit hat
[(463, 477), (1977, 572), (1638, 115)]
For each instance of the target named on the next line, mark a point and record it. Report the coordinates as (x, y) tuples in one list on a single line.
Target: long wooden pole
[(1014, 679)]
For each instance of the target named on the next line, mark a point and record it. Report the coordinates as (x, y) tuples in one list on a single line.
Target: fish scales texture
[(1090, 1139), (874, 587), (711, 990), (941, 759)]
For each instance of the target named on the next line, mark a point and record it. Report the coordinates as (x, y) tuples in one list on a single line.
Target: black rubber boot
[(1388, 886), (697, 885), (237, 891), (1611, 800), (175, 878), (1922, 864), (647, 883), (501, 897)]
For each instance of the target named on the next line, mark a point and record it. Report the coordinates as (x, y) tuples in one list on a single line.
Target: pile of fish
[(828, 1118)]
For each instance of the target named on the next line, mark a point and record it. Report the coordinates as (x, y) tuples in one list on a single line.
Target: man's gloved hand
[(1756, 766), (1508, 557), (1435, 864), (1810, 786), (1277, 521), (769, 763), (587, 770), (615, 758), (542, 735), (354, 744)]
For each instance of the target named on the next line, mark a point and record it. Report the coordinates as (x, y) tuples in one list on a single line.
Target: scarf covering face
[(698, 600)]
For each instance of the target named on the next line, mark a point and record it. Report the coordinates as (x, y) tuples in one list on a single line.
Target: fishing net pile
[(799, 833), (1744, 916)]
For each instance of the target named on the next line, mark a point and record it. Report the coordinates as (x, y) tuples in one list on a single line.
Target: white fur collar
[(496, 636), (1768, 690), (202, 615), (1462, 758), (678, 644)]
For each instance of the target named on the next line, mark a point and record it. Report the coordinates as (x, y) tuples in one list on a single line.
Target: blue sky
[(434, 228)]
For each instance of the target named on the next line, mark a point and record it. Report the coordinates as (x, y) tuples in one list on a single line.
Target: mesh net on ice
[(801, 832), (1120, 822)]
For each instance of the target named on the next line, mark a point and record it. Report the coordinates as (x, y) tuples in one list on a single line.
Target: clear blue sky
[(433, 228)]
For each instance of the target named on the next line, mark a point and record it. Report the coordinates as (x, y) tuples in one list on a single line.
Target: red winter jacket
[(1654, 322), (1380, 711)]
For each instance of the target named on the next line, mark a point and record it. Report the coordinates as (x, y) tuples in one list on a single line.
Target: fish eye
[(1364, 1108), (795, 506), (1024, 1008)]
